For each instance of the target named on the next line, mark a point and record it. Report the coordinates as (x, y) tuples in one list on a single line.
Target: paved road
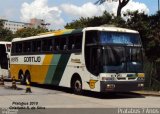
[(63, 98)]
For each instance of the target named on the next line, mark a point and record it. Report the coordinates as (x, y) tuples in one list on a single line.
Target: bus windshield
[(121, 59), (113, 52)]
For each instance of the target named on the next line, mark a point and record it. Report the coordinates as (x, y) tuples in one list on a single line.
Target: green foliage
[(26, 32), (148, 27), (105, 19), (1, 24), (5, 34)]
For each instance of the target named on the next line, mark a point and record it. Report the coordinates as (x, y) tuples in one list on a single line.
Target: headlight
[(140, 85), (141, 75)]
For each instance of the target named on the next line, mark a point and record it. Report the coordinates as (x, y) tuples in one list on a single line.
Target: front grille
[(121, 78), (126, 78)]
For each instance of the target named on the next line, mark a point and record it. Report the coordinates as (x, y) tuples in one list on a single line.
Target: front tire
[(77, 86)]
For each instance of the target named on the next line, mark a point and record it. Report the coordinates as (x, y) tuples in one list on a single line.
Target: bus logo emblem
[(92, 83)]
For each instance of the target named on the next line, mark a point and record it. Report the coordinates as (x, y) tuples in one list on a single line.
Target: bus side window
[(57, 44), (78, 42), (47, 45), (17, 47), (36, 46), (91, 37), (75, 42), (63, 43), (27, 47), (20, 47), (71, 42)]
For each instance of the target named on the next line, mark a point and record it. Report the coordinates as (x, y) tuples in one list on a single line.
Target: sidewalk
[(148, 93)]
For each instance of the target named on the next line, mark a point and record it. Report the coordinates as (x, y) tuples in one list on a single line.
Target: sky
[(60, 12)]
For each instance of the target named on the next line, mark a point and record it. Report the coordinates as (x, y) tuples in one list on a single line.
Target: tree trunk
[(119, 11), (122, 3)]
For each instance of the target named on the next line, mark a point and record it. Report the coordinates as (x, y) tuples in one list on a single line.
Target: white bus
[(4, 58), (101, 59)]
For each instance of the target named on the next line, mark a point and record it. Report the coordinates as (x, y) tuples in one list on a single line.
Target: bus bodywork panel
[(56, 69)]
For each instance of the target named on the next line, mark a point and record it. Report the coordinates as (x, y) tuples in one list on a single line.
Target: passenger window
[(78, 42), (36, 46), (17, 47), (63, 43), (91, 37), (75, 42), (47, 45), (57, 44), (27, 47)]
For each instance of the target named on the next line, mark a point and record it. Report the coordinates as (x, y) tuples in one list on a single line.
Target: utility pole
[(158, 5)]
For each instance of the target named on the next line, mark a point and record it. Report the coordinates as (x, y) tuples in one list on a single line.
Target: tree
[(1, 24), (5, 34), (121, 4), (105, 19), (26, 32)]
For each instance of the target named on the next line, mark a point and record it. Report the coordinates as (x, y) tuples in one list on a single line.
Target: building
[(35, 23), (14, 26)]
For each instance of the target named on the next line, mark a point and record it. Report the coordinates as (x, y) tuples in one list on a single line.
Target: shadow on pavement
[(117, 95)]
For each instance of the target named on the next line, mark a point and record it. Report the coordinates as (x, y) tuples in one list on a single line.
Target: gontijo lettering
[(32, 59)]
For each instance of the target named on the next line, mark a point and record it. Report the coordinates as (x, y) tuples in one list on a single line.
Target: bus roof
[(49, 34), (5, 42), (72, 31), (111, 29)]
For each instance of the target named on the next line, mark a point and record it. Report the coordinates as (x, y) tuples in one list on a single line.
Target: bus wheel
[(27, 77), (21, 77), (77, 86)]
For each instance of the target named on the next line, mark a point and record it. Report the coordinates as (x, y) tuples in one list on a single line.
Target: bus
[(4, 59), (100, 59)]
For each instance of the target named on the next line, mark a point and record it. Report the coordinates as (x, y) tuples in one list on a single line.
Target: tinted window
[(91, 37), (75, 42), (18, 47), (36, 46), (26, 47), (47, 45)]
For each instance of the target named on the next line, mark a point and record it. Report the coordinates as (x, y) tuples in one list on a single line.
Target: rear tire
[(22, 80), (77, 86), (21, 77), (27, 77)]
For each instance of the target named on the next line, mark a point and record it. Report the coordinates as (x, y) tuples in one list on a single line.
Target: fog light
[(140, 85), (110, 86)]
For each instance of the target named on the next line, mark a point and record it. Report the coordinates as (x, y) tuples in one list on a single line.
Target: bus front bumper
[(121, 86)]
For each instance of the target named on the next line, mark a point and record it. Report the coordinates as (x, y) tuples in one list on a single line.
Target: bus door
[(92, 65)]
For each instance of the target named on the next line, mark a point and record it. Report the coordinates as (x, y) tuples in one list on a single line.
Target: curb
[(145, 93)]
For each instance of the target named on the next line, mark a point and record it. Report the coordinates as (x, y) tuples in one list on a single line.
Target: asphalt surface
[(50, 97)]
